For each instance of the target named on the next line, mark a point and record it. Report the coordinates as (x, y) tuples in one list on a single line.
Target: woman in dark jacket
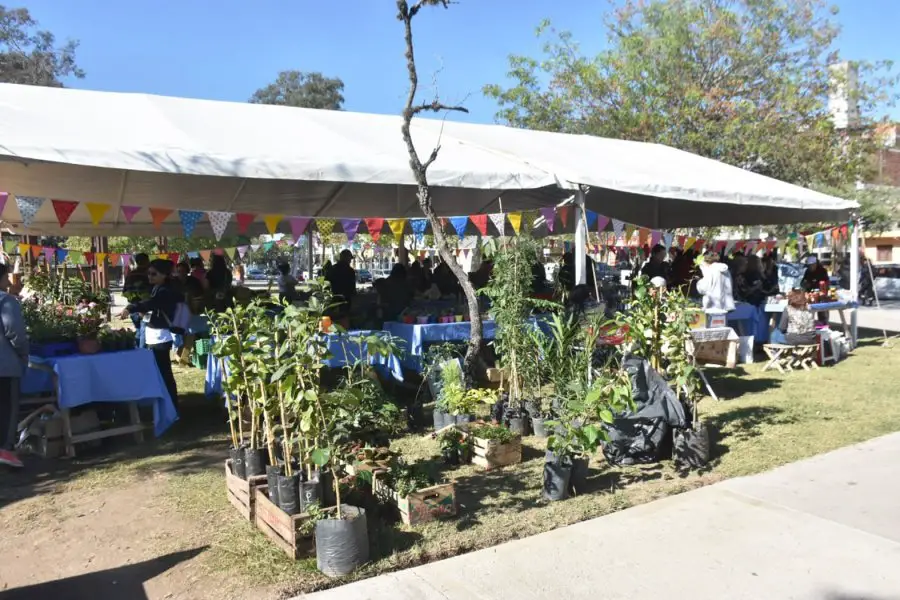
[(158, 313)]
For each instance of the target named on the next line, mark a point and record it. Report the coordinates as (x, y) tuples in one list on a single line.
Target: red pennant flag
[(159, 215), (243, 221), (480, 222), (64, 210), (770, 245), (89, 258), (700, 245), (681, 239), (738, 246), (564, 213), (721, 245), (174, 256), (844, 231), (374, 225)]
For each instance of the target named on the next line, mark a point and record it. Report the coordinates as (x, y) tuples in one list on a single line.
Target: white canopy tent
[(153, 151)]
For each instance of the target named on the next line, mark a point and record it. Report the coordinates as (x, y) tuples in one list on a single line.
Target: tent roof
[(143, 150)]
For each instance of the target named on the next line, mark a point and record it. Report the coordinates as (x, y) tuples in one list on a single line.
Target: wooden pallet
[(490, 454), (283, 529), (421, 506), (241, 491)]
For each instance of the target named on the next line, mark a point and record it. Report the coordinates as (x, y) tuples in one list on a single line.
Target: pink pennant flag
[(49, 253), (129, 211), (298, 226), (242, 250), (602, 222)]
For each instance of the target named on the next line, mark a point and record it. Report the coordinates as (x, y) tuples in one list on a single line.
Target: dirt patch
[(124, 542)]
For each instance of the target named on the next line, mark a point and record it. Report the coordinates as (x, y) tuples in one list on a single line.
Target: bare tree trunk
[(420, 172)]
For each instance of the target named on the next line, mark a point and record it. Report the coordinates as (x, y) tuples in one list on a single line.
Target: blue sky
[(225, 49)]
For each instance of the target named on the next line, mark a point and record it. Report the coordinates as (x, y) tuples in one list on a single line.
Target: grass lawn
[(764, 420)]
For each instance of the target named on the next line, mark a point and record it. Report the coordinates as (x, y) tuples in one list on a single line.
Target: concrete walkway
[(827, 528)]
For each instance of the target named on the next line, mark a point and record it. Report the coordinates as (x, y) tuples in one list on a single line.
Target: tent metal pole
[(854, 280), (310, 256), (580, 239)]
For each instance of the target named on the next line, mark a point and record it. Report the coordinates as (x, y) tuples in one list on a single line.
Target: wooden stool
[(805, 357), (780, 357)]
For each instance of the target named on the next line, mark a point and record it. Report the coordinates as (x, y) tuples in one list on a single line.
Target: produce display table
[(840, 307), (130, 376), (344, 351)]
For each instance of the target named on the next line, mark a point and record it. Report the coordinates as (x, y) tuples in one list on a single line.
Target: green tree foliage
[(29, 55), (304, 90), (745, 82)]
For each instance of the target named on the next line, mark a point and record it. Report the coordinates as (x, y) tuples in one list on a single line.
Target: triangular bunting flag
[(465, 252), (681, 239), (242, 250), (205, 255), (590, 218), (699, 245), (418, 227), (63, 210), (515, 219), (729, 247), (689, 243), (397, 227), (101, 258), (173, 256), (159, 215), (76, 257), (272, 222), (499, 221), (325, 226), (61, 255), (738, 246), (28, 208), (629, 233), (88, 257), (459, 224), (4, 196), (24, 249), (268, 246), (528, 219), (618, 227), (770, 245), (243, 222), (298, 227), (9, 247), (219, 222), (564, 212), (49, 253), (654, 238), (602, 222), (115, 259), (374, 225), (720, 245), (36, 251), (230, 252), (480, 223), (254, 247), (350, 227), (810, 242), (549, 214), (97, 210), (643, 236), (667, 239), (129, 211), (189, 220)]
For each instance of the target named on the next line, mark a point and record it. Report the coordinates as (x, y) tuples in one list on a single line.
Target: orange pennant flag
[(205, 254), (272, 222), (159, 215), (36, 251), (643, 234), (97, 210)]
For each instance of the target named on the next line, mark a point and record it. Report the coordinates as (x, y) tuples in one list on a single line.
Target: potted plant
[(495, 446), (456, 447), (436, 357), (87, 329)]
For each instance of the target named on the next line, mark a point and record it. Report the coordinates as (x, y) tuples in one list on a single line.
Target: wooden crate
[(241, 492), (721, 352), (421, 506), (283, 529), (490, 453)]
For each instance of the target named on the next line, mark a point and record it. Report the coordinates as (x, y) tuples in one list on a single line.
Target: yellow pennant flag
[(97, 211), (230, 252), (100, 258), (398, 226), (528, 219), (325, 226), (689, 243), (23, 249), (629, 232), (810, 242), (272, 222), (515, 219)]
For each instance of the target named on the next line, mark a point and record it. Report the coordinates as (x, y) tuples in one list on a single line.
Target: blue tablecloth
[(750, 320), (126, 376), (343, 349), (418, 336)]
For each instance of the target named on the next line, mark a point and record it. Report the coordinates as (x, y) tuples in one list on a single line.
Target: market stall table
[(343, 349), (839, 306), (130, 376)]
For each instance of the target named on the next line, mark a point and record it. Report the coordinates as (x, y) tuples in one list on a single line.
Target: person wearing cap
[(342, 277)]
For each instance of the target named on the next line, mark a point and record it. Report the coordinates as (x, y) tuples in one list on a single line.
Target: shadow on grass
[(734, 383), (741, 424), (494, 490), (195, 443), (126, 581)]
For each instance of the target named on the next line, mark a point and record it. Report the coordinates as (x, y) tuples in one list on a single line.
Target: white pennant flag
[(254, 247), (28, 208), (667, 239), (729, 246), (242, 250), (219, 221), (499, 221), (618, 228)]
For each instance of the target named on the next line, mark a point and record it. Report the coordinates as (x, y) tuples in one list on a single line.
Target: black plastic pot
[(450, 456), (326, 479), (518, 424), (531, 407), (272, 473), (580, 472), (537, 424), (557, 472), (465, 454), (289, 493), (255, 461), (690, 447), (342, 545), (237, 462), (310, 493)]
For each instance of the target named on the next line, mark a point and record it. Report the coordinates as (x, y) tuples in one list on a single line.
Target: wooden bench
[(786, 358)]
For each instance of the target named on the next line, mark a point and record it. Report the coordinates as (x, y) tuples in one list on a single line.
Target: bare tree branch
[(405, 14)]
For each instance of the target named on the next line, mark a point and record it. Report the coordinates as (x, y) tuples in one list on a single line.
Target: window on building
[(884, 253)]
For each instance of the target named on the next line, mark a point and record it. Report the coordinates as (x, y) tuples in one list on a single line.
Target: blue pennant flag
[(591, 218), (459, 224), (418, 228), (61, 254), (189, 220)]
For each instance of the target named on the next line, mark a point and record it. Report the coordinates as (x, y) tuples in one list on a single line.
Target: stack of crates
[(201, 352)]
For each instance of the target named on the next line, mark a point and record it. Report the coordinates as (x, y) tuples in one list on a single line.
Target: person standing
[(13, 362), (159, 312), (342, 277), (137, 288)]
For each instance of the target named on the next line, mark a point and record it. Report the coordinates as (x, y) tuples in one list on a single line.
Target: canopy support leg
[(580, 239)]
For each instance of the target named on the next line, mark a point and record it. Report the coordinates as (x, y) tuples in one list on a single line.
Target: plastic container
[(342, 545)]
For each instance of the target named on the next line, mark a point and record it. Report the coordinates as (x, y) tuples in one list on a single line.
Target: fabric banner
[(159, 215), (100, 258), (325, 227), (189, 220), (350, 227), (499, 221), (28, 208), (602, 222), (515, 219), (480, 223), (418, 227), (643, 236), (219, 222), (374, 225), (242, 250), (61, 255), (549, 214), (63, 210), (243, 222), (564, 212), (459, 225), (129, 211), (590, 218), (49, 253), (229, 252), (272, 222), (667, 239), (298, 227), (398, 226), (654, 238), (528, 219), (97, 210)]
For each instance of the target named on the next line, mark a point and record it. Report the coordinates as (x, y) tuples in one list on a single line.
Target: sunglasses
[(153, 274)]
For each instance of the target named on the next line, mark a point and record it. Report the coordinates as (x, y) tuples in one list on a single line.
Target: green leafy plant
[(406, 478), (497, 433)]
